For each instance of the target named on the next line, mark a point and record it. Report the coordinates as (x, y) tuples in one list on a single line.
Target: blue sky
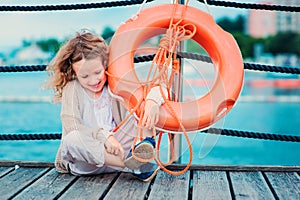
[(17, 26)]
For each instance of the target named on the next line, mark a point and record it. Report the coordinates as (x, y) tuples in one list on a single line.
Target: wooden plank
[(127, 187), (250, 185), (47, 187), (286, 185), (210, 185), (242, 168), (167, 186), (90, 187), (18, 179), (5, 170)]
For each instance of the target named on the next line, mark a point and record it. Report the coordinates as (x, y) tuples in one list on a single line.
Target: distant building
[(288, 21), (261, 23)]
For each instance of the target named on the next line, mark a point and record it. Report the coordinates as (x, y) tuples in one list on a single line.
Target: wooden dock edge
[(268, 168), (13, 163)]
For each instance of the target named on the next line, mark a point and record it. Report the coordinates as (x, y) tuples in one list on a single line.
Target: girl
[(89, 113)]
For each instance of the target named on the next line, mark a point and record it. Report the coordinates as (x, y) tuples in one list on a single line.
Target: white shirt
[(98, 112)]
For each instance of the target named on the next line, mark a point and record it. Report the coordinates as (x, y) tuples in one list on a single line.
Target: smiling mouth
[(96, 85)]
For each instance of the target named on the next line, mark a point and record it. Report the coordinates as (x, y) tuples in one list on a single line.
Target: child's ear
[(74, 72)]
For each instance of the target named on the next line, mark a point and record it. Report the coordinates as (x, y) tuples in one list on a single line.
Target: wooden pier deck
[(29, 180)]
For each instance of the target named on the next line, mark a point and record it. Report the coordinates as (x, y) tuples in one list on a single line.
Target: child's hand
[(113, 146), (151, 114)]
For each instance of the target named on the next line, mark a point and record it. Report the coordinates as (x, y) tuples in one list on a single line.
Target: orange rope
[(158, 160), (187, 139), (167, 50)]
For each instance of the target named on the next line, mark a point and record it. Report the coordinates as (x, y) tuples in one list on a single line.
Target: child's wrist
[(106, 133), (152, 101)]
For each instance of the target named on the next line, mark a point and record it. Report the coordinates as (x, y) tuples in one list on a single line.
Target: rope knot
[(169, 42), (174, 35)]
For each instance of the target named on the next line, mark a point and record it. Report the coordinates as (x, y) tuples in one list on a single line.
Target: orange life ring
[(220, 45)]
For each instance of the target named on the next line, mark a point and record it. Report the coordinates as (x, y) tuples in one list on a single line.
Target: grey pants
[(86, 154)]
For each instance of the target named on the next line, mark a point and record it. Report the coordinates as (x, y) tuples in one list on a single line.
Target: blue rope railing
[(248, 66), (65, 7), (254, 6), (216, 131), (133, 2)]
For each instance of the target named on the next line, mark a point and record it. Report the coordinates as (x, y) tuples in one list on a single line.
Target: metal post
[(177, 88)]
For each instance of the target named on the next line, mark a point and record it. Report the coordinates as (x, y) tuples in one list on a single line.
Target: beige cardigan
[(71, 112)]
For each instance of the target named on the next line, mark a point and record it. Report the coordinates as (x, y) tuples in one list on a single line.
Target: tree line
[(282, 42)]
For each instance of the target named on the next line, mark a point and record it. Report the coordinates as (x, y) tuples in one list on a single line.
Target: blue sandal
[(147, 172)]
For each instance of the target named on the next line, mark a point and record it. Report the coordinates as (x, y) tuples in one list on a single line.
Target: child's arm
[(154, 100), (113, 146)]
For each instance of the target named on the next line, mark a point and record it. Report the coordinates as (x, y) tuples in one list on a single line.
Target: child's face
[(91, 75)]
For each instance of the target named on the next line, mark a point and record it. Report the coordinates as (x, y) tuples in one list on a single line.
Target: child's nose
[(94, 80)]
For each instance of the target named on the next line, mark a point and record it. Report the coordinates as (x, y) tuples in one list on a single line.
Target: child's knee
[(147, 132), (70, 145)]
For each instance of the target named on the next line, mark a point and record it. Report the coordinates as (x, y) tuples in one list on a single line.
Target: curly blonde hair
[(85, 45)]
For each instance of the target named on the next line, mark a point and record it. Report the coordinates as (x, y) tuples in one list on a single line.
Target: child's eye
[(98, 72), (85, 76)]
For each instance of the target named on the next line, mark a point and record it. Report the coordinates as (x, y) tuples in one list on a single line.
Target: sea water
[(18, 117)]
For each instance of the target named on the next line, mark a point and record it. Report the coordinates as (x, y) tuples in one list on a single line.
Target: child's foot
[(147, 172), (143, 150)]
